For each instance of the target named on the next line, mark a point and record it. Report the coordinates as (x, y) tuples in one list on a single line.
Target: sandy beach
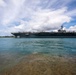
[(38, 64)]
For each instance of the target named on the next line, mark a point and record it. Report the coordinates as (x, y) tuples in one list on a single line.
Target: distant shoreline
[(6, 36)]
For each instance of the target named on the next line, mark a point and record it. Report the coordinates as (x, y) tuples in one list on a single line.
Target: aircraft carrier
[(60, 34)]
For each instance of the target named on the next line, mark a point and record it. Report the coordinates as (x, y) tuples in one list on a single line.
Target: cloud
[(55, 4), (47, 19), (43, 20), (11, 11), (72, 28), (34, 15), (72, 13), (2, 3)]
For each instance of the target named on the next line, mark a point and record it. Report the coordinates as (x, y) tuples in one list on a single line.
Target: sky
[(36, 15)]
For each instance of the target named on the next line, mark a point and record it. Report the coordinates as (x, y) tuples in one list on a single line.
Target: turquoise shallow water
[(13, 49)]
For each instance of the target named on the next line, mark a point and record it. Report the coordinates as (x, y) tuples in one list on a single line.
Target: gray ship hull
[(45, 35)]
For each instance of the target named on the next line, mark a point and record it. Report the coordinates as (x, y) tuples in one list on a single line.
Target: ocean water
[(14, 49)]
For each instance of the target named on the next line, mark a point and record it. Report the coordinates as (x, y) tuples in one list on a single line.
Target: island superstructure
[(61, 33)]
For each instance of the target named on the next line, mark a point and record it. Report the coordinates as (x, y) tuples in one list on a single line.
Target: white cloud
[(2, 3), (43, 20), (55, 4), (11, 11), (34, 15), (71, 13), (72, 28)]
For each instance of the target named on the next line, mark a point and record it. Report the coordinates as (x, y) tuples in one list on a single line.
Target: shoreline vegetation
[(6, 36), (39, 64)]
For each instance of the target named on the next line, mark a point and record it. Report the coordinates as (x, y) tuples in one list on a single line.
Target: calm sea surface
[(13, 49)]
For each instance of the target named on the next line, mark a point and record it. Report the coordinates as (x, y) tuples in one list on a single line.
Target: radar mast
[(61, 30)]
